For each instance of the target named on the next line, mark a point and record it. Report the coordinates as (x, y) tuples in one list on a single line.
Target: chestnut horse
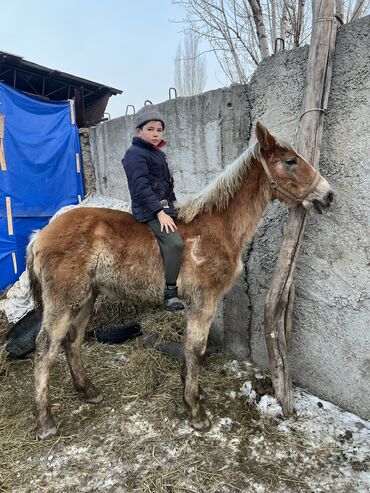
[(88, 251)]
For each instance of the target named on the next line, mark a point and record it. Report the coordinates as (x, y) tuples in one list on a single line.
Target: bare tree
[(350, 10), (359, 9), (271, 8), (284, 22), (243, 32), (260, 27), (299, 24), (190, 67)]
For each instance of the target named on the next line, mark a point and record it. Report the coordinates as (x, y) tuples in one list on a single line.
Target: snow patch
[(269, 406)]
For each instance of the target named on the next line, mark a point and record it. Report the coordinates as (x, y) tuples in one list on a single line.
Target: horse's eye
[(291, 162)]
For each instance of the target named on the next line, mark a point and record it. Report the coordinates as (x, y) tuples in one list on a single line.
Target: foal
[(88, 251)]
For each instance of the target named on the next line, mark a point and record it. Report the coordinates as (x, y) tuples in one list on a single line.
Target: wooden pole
[(279, 301)]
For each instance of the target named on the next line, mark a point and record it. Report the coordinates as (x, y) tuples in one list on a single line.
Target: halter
[(275, 186)]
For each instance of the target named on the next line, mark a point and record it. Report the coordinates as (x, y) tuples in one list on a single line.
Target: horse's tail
[(35, 284)]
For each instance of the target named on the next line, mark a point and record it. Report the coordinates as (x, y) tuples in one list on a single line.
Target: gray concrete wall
[(330, 347)]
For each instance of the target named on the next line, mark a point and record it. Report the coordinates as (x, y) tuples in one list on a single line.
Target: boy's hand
[(166, 222)]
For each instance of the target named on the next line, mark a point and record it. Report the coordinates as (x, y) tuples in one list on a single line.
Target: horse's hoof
[(94, 398), (46, 434), (202, 425)]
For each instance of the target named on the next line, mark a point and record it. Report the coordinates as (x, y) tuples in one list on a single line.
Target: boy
[(151, 188)]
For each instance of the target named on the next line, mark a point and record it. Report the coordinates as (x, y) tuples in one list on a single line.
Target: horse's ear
[(265, 139)]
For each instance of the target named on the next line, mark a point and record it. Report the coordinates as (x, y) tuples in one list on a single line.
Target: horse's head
[(292, 179)]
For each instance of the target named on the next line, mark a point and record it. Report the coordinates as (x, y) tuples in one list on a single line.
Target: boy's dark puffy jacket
[(149, 180)]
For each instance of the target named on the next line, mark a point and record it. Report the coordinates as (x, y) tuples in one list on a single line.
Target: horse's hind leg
[(54, 328), (72, 345), (195, 344)]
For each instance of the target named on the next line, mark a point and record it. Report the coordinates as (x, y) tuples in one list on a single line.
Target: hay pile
[(133, 378), (137, 439), (129, 373)]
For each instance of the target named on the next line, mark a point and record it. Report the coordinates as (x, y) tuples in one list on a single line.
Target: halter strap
[(275, 186)]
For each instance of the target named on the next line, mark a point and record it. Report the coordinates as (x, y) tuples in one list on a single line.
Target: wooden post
[(80, 106), (279, 301)]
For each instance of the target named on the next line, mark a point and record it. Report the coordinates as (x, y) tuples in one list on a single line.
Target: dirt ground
[(138, 440)]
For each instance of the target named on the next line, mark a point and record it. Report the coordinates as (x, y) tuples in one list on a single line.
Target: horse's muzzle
[(323, 203)]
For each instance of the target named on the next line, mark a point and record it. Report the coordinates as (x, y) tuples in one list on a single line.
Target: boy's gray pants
[(171, 246)]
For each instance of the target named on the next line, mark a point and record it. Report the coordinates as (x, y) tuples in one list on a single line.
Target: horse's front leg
[(195, 344)]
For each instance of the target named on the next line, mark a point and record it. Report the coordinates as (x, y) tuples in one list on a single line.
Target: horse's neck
[(246, 207)]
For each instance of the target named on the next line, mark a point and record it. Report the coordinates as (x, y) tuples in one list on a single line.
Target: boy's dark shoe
[(171, 300)]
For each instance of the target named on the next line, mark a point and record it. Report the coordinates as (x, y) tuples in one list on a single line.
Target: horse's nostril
[(330, 197)]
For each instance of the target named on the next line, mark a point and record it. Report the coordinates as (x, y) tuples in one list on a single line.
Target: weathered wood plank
[(280, 298)]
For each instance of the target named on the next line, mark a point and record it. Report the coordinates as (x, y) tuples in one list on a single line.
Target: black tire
[(169, 348), (21, 339), (116, 334)]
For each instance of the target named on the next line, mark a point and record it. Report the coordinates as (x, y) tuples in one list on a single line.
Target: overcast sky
[(129, 45)]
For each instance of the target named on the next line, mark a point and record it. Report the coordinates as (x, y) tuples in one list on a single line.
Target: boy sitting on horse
[(151, 188)]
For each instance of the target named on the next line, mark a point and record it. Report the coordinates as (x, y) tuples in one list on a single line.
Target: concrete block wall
[(331, 340), (204, 134), (330, 346)]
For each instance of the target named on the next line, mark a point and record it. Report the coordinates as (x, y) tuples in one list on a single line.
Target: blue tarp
[(40, 172)]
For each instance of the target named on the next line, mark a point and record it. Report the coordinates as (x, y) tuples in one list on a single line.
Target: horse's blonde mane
[(216, 195)]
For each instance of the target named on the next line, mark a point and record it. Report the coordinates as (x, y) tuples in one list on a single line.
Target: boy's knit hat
[(147, 114)]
